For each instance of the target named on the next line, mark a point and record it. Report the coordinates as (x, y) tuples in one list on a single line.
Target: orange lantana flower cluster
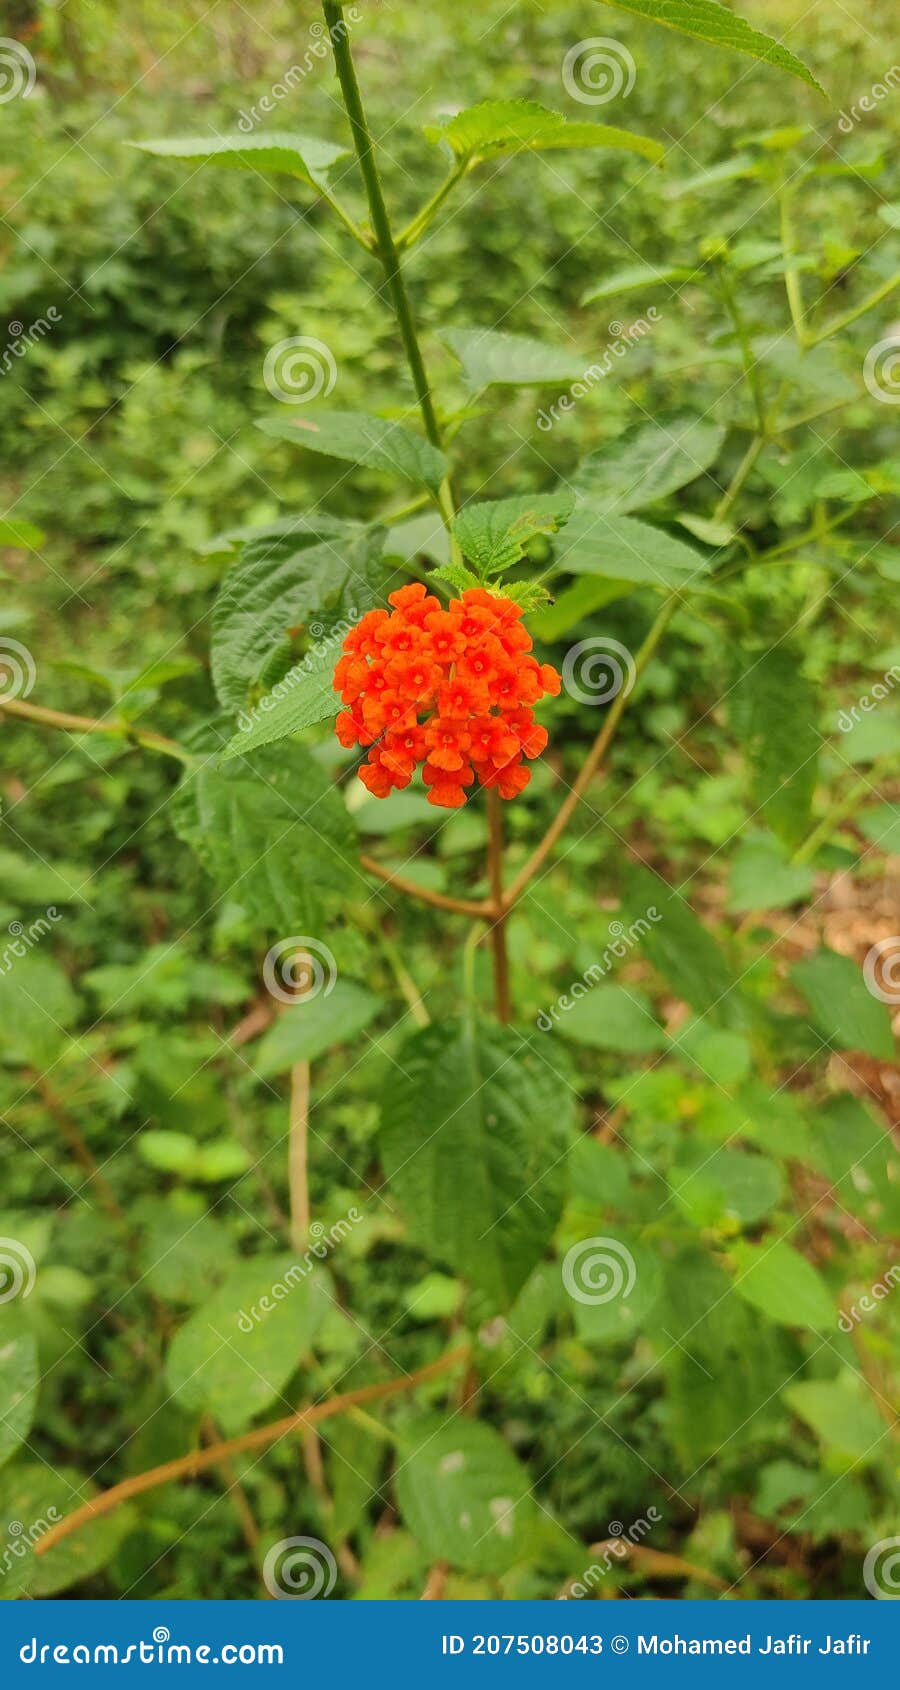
[(450, 689)]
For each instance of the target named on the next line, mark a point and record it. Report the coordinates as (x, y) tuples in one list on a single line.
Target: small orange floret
[(450, 690)]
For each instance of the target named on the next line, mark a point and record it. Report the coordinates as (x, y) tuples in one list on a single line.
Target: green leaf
[(676, 943), (633, 276), (37, 1008), (274, 833), (774, 712), (358, 438), (303, 156), (706, 20), (764, 878), (236, 1353), (621, 548), (611, 1018), (725, 1185), (587, 594), (20, 536), (36, 1496), (648, 462), (841, 1006), (178, 1153), (463, 1494), (617, 1282), (32, 880), (497, 128), (512, 360), (308, 570), (494, 534), (841, 1413), (304, 696), (774, 1278), (19, 1376), (474, 1134), (308, 1029)]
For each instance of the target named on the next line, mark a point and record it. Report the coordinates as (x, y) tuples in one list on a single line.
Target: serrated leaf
[(633, 276), (463, 1494), (490, 357), (303, 156), (774, 712), (303, 697), (707, 20), (774, 1278), (648, 462), (307, 1030), (621, 548), (497, 128), (494, 534), (274, 833), (840, 1005), (237, 1352), (474, 1134), (358, 438), (290, 574)]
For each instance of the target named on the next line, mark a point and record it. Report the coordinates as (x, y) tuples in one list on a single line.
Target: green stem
[(416, 228), (384, 244), (849, 317), (740, 476), (751, 368), (833, 817), (792, 283)]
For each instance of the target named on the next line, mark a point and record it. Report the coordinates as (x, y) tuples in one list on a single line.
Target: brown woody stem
[(200, 1460)]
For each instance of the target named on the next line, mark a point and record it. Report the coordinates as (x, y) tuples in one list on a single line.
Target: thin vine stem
[(502, 1001), (91, 725), (214, 1455)]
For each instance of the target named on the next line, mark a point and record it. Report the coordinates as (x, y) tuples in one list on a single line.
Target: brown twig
[(90, 725), (436, 1583), (200, 1460), (498, 925), (592, 761), (655, 1562), (440, 900), (80, 1148)]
